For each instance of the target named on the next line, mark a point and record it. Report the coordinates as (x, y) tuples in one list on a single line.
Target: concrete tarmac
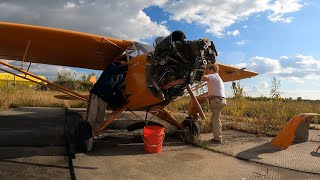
[(32, 146), (299, 156), (27, 162), (32, 127), (124, 158)]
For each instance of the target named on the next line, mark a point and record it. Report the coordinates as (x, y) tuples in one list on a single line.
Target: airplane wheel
[(190, 131), (84, 137), (86, 145)]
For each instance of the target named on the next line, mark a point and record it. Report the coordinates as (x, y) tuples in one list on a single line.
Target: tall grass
[(22, 96), (268, 117), (260, 117), (243, 113)]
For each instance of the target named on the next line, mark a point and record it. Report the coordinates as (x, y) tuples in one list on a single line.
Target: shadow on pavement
[(315, 154), (254, 153), (13, 155), (125, 146), (25, 151), (36, 164)]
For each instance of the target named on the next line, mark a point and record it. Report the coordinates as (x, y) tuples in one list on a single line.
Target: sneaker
[(214, 141)]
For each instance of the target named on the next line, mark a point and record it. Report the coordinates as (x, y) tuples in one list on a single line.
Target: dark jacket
[(109, 81)]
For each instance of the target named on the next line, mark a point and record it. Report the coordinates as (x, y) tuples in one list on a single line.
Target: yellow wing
[(230, 73), (58, 47)]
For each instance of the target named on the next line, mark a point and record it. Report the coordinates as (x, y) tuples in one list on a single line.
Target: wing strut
[(199, 86), (25, 54), (42, 81), (29, 67)]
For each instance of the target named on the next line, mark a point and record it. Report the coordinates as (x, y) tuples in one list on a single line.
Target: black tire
[(86, 145), (84, 137), (190, 131), (78, 133)]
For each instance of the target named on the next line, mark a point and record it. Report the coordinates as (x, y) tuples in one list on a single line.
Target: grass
[(20, 96), (259, 117)]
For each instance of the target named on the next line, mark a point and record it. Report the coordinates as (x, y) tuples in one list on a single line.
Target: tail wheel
[(190, 131)]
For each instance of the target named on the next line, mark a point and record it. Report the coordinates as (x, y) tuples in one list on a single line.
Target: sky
[(274, 38)]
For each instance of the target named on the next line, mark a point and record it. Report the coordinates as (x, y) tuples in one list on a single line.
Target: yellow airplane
[(152, 74), (9, 78)]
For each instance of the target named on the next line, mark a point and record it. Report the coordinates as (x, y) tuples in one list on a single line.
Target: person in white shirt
[(217, 100)]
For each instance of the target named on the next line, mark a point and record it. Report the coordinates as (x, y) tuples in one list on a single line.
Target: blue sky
[(275, 38)]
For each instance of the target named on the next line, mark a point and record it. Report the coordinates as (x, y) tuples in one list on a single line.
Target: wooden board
[(58, 47), (67, 97)]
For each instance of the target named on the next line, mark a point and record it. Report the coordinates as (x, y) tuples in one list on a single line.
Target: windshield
[(138, 49)]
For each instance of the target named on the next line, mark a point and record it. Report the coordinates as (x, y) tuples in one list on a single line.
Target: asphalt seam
[(71, 168), (70, 155)]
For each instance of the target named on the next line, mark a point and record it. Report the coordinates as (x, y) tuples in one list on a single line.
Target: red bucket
[(153, 137)]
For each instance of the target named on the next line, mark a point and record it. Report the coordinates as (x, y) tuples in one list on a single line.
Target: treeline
[(69, 80), (263, 98)]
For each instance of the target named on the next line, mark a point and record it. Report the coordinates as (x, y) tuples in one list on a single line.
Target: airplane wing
[(230, 73), (58, 47)]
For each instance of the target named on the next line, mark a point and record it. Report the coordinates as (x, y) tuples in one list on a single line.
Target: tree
[(237, 89), (275, 88), (239, 100)]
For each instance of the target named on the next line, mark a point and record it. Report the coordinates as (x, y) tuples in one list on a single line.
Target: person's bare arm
[(205, 78)]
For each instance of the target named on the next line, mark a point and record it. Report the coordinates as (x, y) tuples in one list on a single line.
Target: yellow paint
[(93, 79), (136, 85), (230, 73), (68, 48), (9, 78), (58, 47)]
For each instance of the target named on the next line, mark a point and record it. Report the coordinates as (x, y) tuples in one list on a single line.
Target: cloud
[(233, 33), (126, 20), (240, 65), (281, 7), (243, 42), (305, 94), (70, 5), (49, 71), (217, 15), (117, 19), (260, 89), (297, 68)]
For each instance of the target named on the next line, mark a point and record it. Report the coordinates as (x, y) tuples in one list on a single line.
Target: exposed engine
[(176, 63)]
